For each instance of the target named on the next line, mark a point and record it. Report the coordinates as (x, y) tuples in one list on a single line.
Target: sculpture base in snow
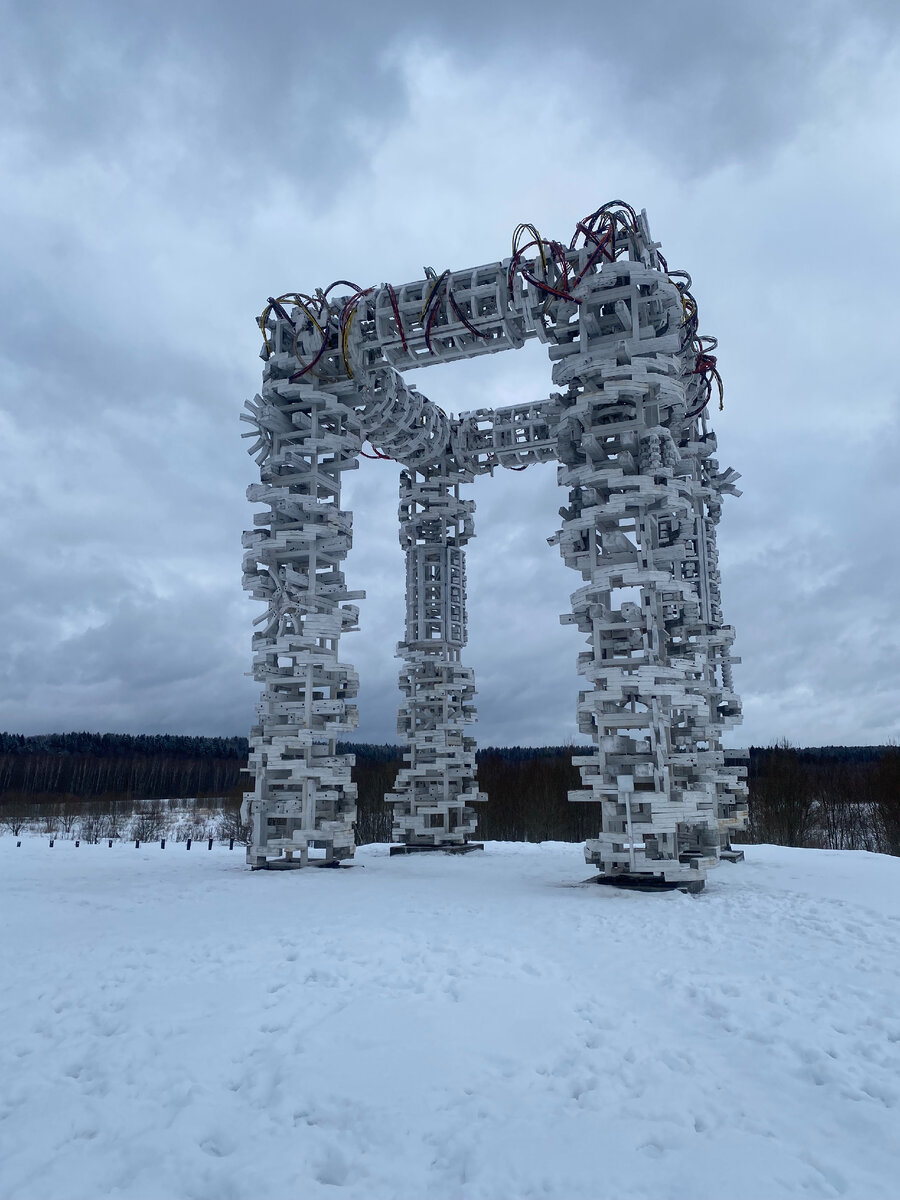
[(441, 847)]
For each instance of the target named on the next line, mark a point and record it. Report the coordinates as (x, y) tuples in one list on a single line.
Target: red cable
[(395, 307), (377, 453), (345, 282), (545, 287), (309, 366), (462, 317)]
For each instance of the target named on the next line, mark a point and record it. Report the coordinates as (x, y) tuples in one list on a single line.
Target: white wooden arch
[(627, 424)]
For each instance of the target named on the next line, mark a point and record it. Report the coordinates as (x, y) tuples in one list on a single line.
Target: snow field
[(174, 1026)]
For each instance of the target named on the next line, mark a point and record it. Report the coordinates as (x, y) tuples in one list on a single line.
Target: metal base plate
[(650, 883), (294, 864), (413, 848), (731, 856)]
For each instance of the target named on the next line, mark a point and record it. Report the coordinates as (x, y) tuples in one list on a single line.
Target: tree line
[(834, 796), (838, 798)]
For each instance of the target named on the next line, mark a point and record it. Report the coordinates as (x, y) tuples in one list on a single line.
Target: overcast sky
[(166, 166)]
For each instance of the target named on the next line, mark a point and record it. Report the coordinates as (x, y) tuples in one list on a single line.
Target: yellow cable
[(528, 228), (439, 279), (264, 316), (345, 339), (261, 322), (311, 317)]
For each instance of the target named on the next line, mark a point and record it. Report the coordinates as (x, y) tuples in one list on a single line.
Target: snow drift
[(443, 1027)]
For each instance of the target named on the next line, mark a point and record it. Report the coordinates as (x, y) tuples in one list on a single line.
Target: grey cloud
[(241, 95), (143, 667), (811, 578), (168, 166)]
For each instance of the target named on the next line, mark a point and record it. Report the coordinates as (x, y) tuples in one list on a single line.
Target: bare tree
[(844, 811), (149, 821), (782, 799), (67, 813), (13, 818), (230, 825), (886, 797), (95, 825)]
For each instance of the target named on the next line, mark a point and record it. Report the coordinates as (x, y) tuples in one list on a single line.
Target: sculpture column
[(435, 790), (302, 796), (617, 530), (630, 456), (725, 705)]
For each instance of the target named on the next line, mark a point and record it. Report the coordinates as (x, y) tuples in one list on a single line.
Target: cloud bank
[(167, 167)]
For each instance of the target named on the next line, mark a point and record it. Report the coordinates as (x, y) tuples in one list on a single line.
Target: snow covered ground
[(440, 1027)]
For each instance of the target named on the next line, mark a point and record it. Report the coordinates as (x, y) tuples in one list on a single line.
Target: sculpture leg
[(302, 795), (627, 529), (435, 790), (730, 766)]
